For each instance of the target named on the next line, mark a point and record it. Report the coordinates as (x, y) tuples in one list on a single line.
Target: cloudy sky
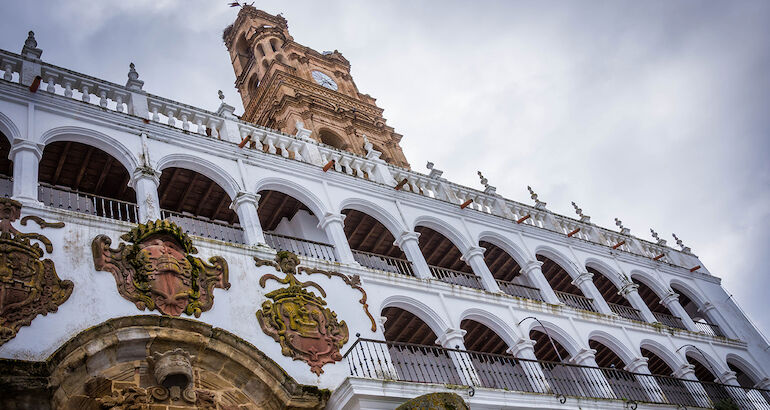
[(655, 112)]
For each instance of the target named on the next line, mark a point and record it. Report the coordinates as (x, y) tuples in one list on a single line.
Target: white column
[(525, 349), (712, 315), (334, 227), (26, 157), (585, 282), (145, 182), (691, 383), (535, 276), (409, 243), (646, 379), (734, 389), (596, 382), (671, 301), (245, 205), (631, 292), (474, 257), (453, 339)]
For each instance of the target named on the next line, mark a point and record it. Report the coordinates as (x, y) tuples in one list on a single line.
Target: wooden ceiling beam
[(171, 181), (221, 203), (186, 192), (276, 212), (60, 164), (203, 201), (104, 174), (83, 167)]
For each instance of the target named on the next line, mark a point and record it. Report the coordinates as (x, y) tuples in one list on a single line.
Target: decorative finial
[(661, 242), (579, 211), (430, 166), (434, 173), (484, 181), (538, 203), (132, 74), (133, 82), (685, 249), (30, 41), (623, 229), (221, 95)]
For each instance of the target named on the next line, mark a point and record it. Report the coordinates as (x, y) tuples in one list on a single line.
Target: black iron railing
[(456, 277), (433, 364), (669, 320), (301, 247), (709, 329), (576, 301), (383, 263), (625, 311), (514, 289)]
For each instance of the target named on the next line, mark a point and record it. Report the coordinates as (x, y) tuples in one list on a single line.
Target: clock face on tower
[(324, 80)]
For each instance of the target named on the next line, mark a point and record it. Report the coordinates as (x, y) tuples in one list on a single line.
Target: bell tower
[(282, 82)]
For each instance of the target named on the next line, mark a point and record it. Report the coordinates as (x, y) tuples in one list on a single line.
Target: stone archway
[(155, 362)]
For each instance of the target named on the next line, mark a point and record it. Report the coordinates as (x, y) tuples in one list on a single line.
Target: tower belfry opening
[(283, 82)]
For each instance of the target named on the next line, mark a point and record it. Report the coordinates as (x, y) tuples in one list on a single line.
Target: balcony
[(64, 198), (455, 277), (200, 226), (669, 320), (415, 363), (383, 263), (576, 301), (301, 247), (521, 291), (625, 311), (709, 329)]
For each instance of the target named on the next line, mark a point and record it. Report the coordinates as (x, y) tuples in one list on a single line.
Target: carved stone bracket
[(157, 270), (29, 285)]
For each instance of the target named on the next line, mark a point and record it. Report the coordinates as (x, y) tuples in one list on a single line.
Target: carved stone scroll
[(157, 271), (29, 285)]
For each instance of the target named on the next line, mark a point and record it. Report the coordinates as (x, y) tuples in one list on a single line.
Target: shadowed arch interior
[(274, 206), (403, 326), (480, 338), (605, 357), (83, 168), (744, 380), (558, 277), (608, 289), (439, 251), (185, 191), (6, 165), (500, 263), (332, 139), (544, 349), (702, 371), (657, 366), (365, 233), (651, 298)]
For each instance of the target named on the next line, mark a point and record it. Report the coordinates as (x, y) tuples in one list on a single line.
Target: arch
[(203, 167), (331, 138), (556, 332), (274, 45), (670, 358), (9, 128), (95, 139), (443, 228), (559, 258), (497, 325), (260, 50), (393, 225), (78, 376), (295, 190), (750, 370), (421, 310), (506, 245), (689, 292), (606, 271), (617, 347), (650, 282), (705, 359)]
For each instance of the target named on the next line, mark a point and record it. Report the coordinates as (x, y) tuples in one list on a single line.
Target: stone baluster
[(532, 271), (198, 119), (687, 372), (409, 243), (85, 88), (102, 95), (145, 182), (525, 349), (245, 205), (453, 339), (474, 257), (50, 80), (631, 292), (334, 227), (120, 98), (8, 71), (645, 379), (282, 147), (68, 85), (171, 114), (598, 385), (585, 282), (270, 142), (25, 156), (184, 117), (671, 302)]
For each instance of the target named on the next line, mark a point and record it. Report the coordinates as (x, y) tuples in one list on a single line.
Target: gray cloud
[(654, 112)]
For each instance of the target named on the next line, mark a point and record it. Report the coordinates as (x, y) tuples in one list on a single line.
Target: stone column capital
[(452, 338), (473, 252), (706, 307), (532, 265), (670, 298), (763, 384), (27, 145), (628, 288), (407, 237), (331, 218), (638, 365), (242, 198), (144, 172), (685, 371), (523, 345), (582, 278), (583, 355), (728, 377)]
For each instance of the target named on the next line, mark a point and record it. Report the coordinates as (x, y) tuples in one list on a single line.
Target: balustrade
[(63, 198), (301, 247), (576, 301), (514, 289), (669, 320), (625, 311), (407, 362), (709, 328), (206, 228), (456, 277), (383, 263)]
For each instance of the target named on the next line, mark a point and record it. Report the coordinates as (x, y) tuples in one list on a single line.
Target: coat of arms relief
[(29, 285), (156, 270)]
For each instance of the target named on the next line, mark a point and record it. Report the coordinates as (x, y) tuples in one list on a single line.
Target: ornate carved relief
[(29, 285), (157, 271), (298, 320)]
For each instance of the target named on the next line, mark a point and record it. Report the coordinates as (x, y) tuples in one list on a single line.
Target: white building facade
[(441, 287)]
